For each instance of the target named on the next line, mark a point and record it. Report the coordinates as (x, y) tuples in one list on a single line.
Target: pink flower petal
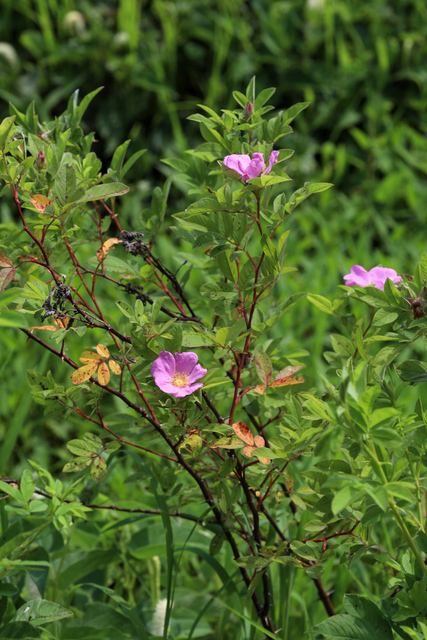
[(237, 162), (198, 372), (163, 368), (185, 362), (273, 159)]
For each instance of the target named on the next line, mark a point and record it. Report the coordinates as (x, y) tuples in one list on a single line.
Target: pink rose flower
[(250, 168), (177, 374), (376, 277)]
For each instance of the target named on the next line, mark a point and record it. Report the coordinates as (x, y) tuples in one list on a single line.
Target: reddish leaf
[(83, 373), (259, 441), (283, 382), (89, 357), (243, 432), (263, 367), (108, 244), (288, 371), (103, 374), (103, 351), (40, 202), (260, 388), (115, 368), (6, 276), (5, 261)]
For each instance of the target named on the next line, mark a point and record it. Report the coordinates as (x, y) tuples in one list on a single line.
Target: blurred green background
[(360, 64)]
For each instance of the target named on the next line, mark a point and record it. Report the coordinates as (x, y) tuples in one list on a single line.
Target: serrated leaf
[(82, 374), (103, 374), (243, 432)]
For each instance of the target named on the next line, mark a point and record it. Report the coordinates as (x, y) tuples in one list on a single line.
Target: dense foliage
[(264, 503)]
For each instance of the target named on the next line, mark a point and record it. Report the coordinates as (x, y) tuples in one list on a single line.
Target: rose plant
[(197, 350)]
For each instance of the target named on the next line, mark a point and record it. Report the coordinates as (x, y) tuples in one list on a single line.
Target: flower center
[(180, 380)]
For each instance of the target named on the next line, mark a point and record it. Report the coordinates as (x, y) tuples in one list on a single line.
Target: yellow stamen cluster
[(180, 380)]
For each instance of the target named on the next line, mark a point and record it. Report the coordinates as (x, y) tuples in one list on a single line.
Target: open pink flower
[(376, 277), (250, 168), (177, 374)]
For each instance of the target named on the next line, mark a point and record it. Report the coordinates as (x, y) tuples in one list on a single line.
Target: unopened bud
[(248, 110), (40, 160)]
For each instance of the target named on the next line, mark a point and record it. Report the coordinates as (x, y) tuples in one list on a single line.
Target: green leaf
[(263, 367), (413, 371), (98, 470), (5, 129), (27, 485), (345, 627), (322, 303), (79, 464), (386, 437), (64, 189), (38, 612), (216, 543), (101, 191), (344, 498), (82, 448)]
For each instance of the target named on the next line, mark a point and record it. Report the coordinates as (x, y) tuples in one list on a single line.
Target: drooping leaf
[(108, 244), (243, 432)]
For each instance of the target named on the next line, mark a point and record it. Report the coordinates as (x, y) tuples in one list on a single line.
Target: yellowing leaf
[(62, 323), (103, 374), (243, 432), (264, 460), (89, 357), (103, 351), (46, 328), (108, 244), (115, 368), (40, 202), (283, 382), (259, 441), (248, 451), (83, 373), (288, 371)]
